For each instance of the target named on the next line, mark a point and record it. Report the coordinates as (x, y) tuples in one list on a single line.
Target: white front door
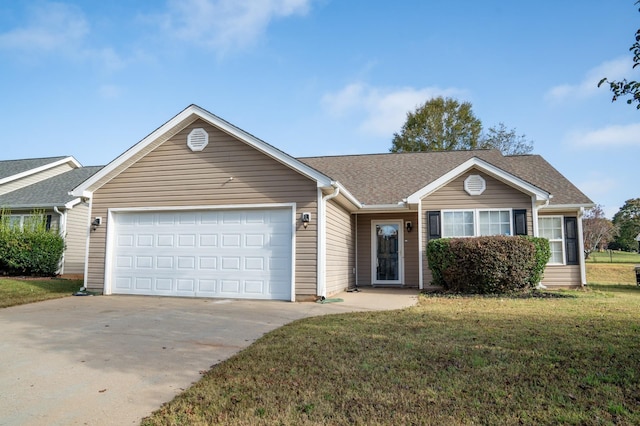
[(387, 252)]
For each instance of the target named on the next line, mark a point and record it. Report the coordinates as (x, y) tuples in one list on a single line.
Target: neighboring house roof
[(13, 169), (379, 179), (50, 192)]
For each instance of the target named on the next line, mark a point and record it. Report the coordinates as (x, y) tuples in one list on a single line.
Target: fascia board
[(47, 166), (566, 206), (490, 169), (194, 110), (348, 195)]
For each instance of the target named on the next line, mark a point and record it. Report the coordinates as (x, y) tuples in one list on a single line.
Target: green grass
[(613, 256), (569, 359), (18, 292)]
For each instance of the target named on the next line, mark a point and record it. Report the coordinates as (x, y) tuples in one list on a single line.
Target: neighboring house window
[(471, 223), (562, 233), (17, 221)]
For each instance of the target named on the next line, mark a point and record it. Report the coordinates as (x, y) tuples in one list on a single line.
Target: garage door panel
[(244, 253)]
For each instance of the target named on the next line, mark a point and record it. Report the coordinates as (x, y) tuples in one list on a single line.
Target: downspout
[(62, 230), (583, 271), (421, 249), (322, 239)]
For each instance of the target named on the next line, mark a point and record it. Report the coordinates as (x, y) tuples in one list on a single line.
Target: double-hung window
[(471, 223), (551, 229)]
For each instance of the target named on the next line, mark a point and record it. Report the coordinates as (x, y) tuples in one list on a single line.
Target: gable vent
[(197, 139), (475, 185)]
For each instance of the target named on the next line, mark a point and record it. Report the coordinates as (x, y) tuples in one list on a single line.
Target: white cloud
[(224, 24), (382, 111), (613, 70), (607, 137), (49, 26)]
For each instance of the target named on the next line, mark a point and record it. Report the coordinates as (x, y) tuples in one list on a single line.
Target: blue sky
[(323, 77)]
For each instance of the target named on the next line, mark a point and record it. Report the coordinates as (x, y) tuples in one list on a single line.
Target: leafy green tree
[(627, 220), (440, 124), (506, 141), (624, 87)]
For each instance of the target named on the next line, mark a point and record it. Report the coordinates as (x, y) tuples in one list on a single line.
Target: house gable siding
[(173, 176)]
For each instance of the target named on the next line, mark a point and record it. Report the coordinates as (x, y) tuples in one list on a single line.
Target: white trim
[(565, 207), (195, 112), (109, 250), (583, 269), (319, 245), (490, 169), (420, 247), (86, 245), (47, 166), (534, 216), (374, 251), (71, 204)]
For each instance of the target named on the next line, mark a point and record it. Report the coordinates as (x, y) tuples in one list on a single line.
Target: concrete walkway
[(111, 360)]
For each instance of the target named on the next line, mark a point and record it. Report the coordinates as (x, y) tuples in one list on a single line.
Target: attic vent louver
[(475, 185), (197, 139)]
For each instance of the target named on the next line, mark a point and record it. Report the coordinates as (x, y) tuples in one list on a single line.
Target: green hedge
[(495, 264), (33, 250)]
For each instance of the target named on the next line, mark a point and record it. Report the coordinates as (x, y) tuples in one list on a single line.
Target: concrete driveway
[(111, 360)]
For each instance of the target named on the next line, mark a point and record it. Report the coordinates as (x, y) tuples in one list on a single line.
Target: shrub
[(496, 264), (32, 250), (543, 254)]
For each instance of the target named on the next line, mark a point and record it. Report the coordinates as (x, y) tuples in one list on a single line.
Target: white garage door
[(221, 253)]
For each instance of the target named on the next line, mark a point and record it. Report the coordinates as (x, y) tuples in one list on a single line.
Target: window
[(470, 223), (31, 221), (551, 229), (562, 233)]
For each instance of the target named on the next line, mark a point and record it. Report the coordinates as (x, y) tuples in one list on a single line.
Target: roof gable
[(172, 127), (11, 170), (391, 178), (50, 192)]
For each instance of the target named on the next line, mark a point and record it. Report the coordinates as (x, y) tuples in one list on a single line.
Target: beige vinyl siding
[(340, 262), (34, 178), (453, 196), (561, 276), (173, 176), (76, 240), (411, 256)]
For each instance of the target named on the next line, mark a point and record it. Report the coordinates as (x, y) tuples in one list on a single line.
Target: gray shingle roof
[(14, 167), (389, 178), (50, 192)]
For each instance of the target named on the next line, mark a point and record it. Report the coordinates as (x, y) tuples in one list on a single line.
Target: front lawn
[(569, 359), (613, 256), (15, 291)]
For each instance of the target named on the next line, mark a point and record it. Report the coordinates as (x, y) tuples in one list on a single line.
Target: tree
[(624, 87), (506, 141), (627, 220), (597, 230), (439, 125)]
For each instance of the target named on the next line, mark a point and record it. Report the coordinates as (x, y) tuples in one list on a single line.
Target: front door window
[(387, 259)]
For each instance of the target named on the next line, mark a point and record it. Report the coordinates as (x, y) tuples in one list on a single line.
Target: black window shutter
[(433, 223), (571, 239), (520, 222), (48, 225)]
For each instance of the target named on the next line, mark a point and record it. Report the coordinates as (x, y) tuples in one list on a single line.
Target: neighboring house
[(43, 185), (202, 208)]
